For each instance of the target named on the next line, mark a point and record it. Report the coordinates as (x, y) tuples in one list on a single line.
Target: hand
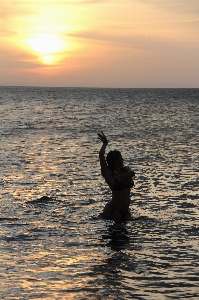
[(102, 137)]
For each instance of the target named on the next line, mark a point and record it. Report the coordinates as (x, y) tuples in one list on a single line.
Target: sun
[(47, 46)]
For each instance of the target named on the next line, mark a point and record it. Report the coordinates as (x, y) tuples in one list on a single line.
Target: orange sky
[(93, 43)]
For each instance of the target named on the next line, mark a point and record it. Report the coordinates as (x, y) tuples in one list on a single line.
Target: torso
[(120, 190), (121, 199), (121, 194)]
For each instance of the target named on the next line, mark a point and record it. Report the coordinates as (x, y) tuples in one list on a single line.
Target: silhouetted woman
[(119, 179)]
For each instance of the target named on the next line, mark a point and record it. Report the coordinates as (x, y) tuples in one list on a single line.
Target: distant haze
[(110, 43)]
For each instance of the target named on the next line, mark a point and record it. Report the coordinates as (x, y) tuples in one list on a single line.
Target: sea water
[(54, 243)]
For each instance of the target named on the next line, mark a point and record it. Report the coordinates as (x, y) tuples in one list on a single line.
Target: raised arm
[(104, 140), (106, 173)]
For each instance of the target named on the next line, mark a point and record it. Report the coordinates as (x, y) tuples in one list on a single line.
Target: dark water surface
[(54, 244)]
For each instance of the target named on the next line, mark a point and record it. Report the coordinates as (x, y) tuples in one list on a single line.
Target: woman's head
[(114, 158)]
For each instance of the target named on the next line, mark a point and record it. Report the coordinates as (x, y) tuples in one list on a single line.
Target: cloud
[(175, 7), (21, 8), (137, 42), (81, 2), (25, 8), (22, 3), (17, 60), (121, 38)]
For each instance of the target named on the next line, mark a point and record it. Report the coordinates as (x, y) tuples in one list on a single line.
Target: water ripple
[(54, 242)]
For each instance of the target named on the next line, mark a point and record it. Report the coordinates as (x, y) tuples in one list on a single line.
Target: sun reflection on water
[(54, 242)]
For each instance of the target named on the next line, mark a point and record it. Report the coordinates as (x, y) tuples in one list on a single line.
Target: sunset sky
[(96, 43)]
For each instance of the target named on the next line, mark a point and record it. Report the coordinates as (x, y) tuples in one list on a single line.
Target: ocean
[(54, 242)]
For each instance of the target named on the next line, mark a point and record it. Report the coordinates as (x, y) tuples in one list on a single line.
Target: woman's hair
[(111, 158)]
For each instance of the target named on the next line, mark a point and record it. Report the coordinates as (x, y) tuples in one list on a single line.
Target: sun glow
[(47, 46)]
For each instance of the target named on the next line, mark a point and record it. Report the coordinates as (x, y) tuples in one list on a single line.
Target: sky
[(100, 43)]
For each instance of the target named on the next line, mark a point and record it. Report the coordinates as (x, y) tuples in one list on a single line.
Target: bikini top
[(120, 184)]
